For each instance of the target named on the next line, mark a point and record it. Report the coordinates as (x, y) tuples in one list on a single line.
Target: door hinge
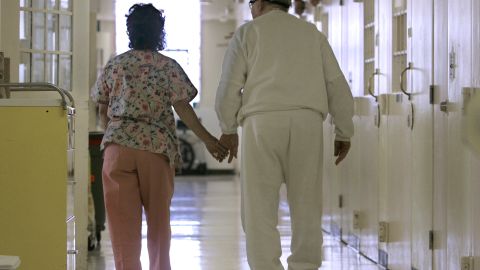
[(340, 201), (431, 240), (444, 106), (356, 220), (432, 94), (466, 263), (1, 66), (383, 232)]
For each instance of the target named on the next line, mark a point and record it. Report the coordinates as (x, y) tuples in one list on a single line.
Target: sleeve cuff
[(229, 131), (341, 138)]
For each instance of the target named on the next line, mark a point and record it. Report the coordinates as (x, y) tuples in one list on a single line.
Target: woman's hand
[(218, 151)]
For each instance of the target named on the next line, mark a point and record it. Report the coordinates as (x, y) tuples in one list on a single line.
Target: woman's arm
[(188, 116)]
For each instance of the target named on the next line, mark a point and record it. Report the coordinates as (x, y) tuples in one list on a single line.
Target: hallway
[(207, 231), (406, 196)]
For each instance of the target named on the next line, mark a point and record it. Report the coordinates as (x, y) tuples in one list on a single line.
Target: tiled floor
[(207, 234)]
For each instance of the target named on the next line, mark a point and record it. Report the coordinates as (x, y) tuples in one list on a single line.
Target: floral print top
[(140, 88)]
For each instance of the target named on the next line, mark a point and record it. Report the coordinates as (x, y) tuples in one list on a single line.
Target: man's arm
[(228, 99), (340, 101)]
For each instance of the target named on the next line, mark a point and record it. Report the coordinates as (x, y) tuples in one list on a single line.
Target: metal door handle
[(377, 119), (411, 117), (370, 83), (402, 87)]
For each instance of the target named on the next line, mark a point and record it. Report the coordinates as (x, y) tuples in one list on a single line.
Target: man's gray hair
[(282, 3)]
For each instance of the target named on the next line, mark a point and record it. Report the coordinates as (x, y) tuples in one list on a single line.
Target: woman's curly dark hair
[(145, 27)]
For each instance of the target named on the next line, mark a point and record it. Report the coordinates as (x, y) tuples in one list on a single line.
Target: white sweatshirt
[(278, 62)]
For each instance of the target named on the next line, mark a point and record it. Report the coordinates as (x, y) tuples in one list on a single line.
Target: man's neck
[(270, 8)]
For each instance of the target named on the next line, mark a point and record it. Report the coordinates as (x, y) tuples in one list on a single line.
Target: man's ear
[(262, 5)]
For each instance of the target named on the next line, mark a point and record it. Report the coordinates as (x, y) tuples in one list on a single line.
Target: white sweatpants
[(282, 147)]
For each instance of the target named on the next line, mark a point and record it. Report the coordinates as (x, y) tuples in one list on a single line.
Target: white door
[(332, 183), (408, 148), (475, 177), (398, 154), (352, 63), (440, 173), (421, 121), (396, 135), (453, 182), (367, 156), (459, 240), (365, 211)]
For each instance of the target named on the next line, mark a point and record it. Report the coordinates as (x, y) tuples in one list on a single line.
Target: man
[(280, 79)]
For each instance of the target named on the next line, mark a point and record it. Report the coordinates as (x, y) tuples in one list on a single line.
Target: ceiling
[(222, 10)]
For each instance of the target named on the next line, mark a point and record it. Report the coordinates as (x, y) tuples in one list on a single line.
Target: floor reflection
[(207, 233), (206, 230)]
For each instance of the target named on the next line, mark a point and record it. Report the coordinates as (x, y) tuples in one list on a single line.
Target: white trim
[(22, 50), (49, 11), (80, 91), (9, 24)]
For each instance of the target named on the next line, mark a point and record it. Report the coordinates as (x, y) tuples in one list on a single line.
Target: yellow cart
[(37, 221)]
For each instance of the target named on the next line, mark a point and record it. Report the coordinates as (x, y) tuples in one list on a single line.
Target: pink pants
[(132, 179)]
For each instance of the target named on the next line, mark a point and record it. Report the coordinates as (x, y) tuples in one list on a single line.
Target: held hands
[(230, 141), (217, 150), (341, 149), (227, 145)]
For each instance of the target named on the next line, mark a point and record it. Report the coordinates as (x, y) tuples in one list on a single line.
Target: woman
[(135, 94)]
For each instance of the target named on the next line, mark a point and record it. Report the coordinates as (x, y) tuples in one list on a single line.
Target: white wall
[(105, 14), (215, 38), (102, 45), (1, 45), (9, 40), (80, 89)]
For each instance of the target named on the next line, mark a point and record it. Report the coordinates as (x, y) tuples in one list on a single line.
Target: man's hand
[(218, 151), (341, 149), (230, 141)]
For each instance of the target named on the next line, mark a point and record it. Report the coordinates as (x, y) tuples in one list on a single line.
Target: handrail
[(42, 87)]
